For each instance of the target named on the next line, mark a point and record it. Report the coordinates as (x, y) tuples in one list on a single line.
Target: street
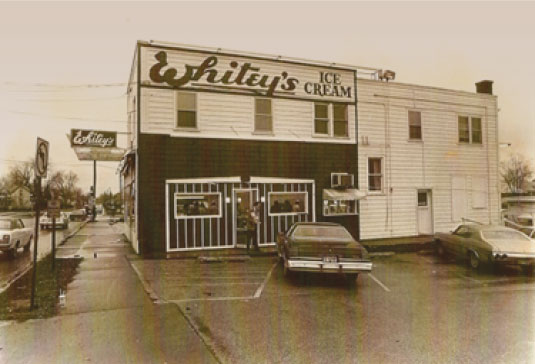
[(10, 268), (413, 308)]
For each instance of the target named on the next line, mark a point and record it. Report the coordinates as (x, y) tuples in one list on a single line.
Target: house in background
[(20, 199)]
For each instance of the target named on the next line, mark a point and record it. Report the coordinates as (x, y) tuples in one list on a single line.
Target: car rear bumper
[(324, 267), (514, 258)]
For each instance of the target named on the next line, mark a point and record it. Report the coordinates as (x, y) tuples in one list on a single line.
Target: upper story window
[(321, 118), (340, 128), (415, 125), (331, 119), (470, 130), (263, 118), (186, 110), (375, 174)]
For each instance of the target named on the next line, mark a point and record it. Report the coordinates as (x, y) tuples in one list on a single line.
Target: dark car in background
[(323, 248), (78, 215), (489, 244)]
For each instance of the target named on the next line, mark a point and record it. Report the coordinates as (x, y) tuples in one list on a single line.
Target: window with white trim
[(197, 205), (331, 119), (263, 118), (321, 118), (375, 174), (340, 124), (470, 130), (339, 207), (415, 125), (186, 110)]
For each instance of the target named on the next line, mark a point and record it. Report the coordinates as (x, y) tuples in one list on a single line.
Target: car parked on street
[(14, 235), (62, 222), (490, 244), (78, 215), (323, 248)]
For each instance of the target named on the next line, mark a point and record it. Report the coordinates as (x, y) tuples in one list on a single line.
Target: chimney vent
[(484, 87)]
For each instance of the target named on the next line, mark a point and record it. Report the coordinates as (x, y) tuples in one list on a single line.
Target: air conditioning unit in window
[(342, 180)]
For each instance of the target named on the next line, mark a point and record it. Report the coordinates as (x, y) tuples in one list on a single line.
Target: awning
[(348, 194)]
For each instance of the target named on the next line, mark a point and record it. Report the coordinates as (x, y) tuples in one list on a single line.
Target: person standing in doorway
[(253, 219)]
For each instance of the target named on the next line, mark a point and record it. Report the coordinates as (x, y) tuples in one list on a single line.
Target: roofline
[(360, 79), (264, 56)]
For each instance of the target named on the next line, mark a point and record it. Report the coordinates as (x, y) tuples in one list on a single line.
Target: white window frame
[(340, 174), (470, 129), (264, 132), (327, 210), (178, 195), (286, 193), (329, 118), (421, 139), (381, 191), (183, 128)]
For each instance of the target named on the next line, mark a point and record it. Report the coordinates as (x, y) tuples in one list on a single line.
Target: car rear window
[(5, 224), (322, 231), (504, 235)]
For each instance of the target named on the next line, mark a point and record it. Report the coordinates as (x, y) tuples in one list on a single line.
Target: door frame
[(430, 206), (234, 214)]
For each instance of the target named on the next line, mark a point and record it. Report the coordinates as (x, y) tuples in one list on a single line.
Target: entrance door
[(425, 213), (243, 201)]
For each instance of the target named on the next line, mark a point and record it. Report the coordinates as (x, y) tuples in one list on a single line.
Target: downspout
[(138, 111), (357, 150)]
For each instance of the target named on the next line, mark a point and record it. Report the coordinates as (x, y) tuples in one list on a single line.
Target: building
[(212, 132)]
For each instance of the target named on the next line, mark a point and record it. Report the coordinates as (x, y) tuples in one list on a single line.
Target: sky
[(65, 65)]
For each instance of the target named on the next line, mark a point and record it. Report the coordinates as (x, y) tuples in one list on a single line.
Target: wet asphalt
[(413, 308)]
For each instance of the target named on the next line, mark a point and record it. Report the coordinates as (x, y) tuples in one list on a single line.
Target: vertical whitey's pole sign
[(40, 170)]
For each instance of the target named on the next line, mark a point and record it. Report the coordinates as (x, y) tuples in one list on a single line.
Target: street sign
[(53, 209), (41, 158)]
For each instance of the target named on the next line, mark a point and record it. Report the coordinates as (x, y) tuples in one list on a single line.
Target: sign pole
[(37, 192), (53, 243), (94, 208)]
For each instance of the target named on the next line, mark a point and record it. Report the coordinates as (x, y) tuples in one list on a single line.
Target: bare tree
[(20, 175), (516, 173)]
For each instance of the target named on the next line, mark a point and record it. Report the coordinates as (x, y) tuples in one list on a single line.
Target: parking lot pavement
[(412, 308)]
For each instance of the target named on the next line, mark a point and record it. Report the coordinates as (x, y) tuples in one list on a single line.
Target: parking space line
[(379, 282), (261, 288)]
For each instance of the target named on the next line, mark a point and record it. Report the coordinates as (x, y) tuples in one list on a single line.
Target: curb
[(399, 248), (74, 232)]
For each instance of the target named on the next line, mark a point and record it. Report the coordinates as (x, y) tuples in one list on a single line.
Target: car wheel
[(474, 260), (27, 246), (528, 269), (352, 277), (13, 252), (287, 272), (440, 249)]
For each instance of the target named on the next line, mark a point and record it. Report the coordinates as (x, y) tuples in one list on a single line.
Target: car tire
[(287, 272), (27, 246), (440, 249), (475, 263), (13, 252), (352, 277)]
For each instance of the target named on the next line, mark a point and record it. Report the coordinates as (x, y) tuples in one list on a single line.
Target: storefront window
[(339, 207), (288, 203), (195, 205)]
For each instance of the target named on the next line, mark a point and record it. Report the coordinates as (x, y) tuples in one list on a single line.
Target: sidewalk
[(107, 318)]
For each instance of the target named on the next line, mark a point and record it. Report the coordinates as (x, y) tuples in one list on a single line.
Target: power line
[(75, 99), (58, 85), (66, 117)]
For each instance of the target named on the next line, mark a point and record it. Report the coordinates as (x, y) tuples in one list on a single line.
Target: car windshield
[(5, 224), (504, 235), (322, 231)]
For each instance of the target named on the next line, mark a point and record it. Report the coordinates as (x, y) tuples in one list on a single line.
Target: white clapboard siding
[(428, 164), (229, 116)]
